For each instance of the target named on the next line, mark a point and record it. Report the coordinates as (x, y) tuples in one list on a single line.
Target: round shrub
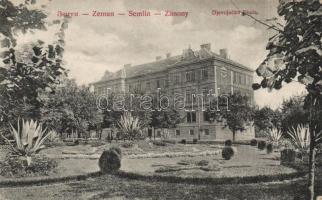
[(195, 141), (183, 141), (269, 148), (228, 143), (261, 145), (227, 152), (109, 161), (117, 149), (253, 142)]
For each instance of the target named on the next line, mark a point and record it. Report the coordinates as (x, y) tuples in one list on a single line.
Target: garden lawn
[(249, 161), (111, 187)]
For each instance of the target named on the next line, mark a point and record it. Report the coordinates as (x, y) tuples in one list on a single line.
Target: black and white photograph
[(161, 99)]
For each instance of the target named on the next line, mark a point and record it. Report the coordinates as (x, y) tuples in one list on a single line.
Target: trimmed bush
[(195, 141), (109, 161), (269, 148), (227, 152), (253, 142), (127, 145), (288, 156), (228, 143), (183, 141), (117, 149), (261, 145)]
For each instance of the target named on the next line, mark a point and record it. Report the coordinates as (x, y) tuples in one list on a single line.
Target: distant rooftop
[(161, 64)]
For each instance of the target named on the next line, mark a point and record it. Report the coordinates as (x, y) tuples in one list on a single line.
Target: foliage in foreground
[(300, 137), (29, 138), (16, 166)]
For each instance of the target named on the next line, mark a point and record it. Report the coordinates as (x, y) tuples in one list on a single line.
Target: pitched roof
[(188, 56)]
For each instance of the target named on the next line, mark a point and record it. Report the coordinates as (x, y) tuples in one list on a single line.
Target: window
[(158, 133), (191, 132), (176, 79), (206, 131), (206, 117), (191, 117), (188, 96), (204, 74), (158, 84), (177, 132), (148, 85), (205, 95), (190, 76), (235, 77)]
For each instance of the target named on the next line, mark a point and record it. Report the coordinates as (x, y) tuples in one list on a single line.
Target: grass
[(112, 187)]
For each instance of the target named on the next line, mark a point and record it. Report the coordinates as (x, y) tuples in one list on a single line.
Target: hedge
[(209, 180), (45, 180)]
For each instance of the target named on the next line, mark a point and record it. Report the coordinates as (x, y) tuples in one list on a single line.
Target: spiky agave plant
[(30, 138), (274, 135), (129, 125), (300, 137)]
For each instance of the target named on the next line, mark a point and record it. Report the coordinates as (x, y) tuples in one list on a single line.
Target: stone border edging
[(46, 180), (170, 179)]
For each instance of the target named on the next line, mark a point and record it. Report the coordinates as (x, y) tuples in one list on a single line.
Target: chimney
[(158, 58), (127, 66), (223, 53), (168, 55), (206, 47)]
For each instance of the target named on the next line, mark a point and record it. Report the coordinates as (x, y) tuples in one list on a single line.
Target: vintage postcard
[(161, 99)]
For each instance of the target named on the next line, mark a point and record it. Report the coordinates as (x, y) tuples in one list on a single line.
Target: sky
[(97, 44)]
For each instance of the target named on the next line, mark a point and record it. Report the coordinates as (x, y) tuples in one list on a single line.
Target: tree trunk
[(234, 136), (154, 133), (311, 168)]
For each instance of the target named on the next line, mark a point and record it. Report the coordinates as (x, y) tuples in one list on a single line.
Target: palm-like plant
[(129, 125), (275, 135), (300, 137), (29, 138)]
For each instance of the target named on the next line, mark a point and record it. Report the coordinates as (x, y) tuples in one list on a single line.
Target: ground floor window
[(177, 132), (191, 132), (206, 131), (158, 133)]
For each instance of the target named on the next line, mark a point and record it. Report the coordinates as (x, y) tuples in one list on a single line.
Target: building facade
[(190, 74)]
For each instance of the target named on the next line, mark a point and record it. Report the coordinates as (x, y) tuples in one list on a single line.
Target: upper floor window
[(176, 79), (204, 74), (190, 76), (158, 84)]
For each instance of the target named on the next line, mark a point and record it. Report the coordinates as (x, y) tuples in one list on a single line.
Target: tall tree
[(70, 108), (295, 54), (33, 68)]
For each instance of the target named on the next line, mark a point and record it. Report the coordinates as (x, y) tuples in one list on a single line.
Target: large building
[(192, 72)]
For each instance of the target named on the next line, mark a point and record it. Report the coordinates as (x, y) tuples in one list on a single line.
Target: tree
[(235, 109), (25, 72), (70, 108), (267, 118), (295, 54), (294, 113)]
